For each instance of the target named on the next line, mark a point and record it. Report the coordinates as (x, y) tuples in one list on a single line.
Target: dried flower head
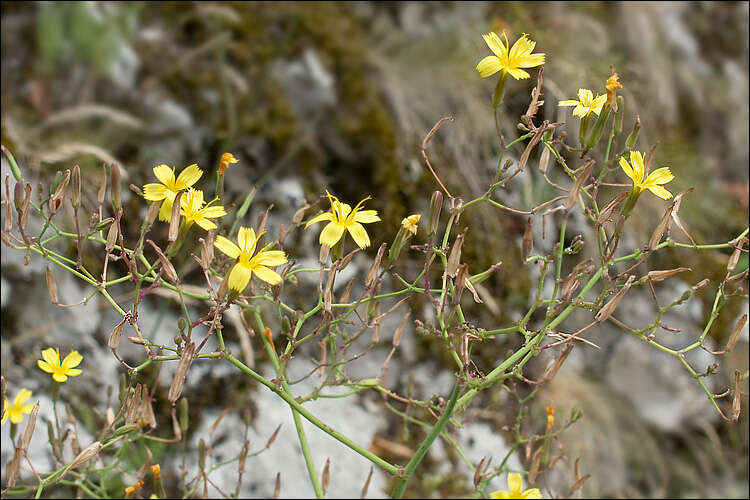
[(224, 162), (613, 83), (410, 223)]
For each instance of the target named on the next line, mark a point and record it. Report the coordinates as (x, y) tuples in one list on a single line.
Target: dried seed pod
[(277, 486), (184, 415), (363, 493), (454, 257), (25, 208), (544, 160), (606, 311), (111, 238), (459, 283), (273, 437), (606, 212), (372, 273), (29, 432), (570, 201), (528, 240), (169, 269), (183, 365), (666, 273), (174, 219), (735, 335), (400, 330), (299, 214), (326, 476), (436, 205), (114, 336), (102, 186), (153, 212), (51, 285), (323, 255), (87, 454), (18, 196)]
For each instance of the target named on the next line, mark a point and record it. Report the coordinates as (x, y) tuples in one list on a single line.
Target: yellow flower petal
[(326, 216), (239, 277), (488, 66), (73, 372), (213, 212), (265, 274), (366, 216), (205, 223), (44, 366), (500, 494), (495, 44), (165, 212), (165, 176), (585, 96), (531, 493), (581, 111), (21, 397), (331, 234), (532, 60), (660, 192), (154, 192), (59, 377), (51, 356), (227, 247), (568, 102), (625, 166), (659, 176), (246, 239), (598, 103), (270, 258), (636, 161), (72, 360), (518, 74), (359, 235), (515, 483), (188, 177)]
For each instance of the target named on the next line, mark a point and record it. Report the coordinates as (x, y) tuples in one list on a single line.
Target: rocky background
[(340, 96)]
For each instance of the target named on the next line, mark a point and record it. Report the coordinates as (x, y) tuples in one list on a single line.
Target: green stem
[(398, 489)]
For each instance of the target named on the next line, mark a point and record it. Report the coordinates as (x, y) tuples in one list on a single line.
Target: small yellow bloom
[(342, 218), (169, 187), (509, 59), (156, 471), (652, 182), (194, 209), (550, 416), (18, 408), (515, 487), (410, 223), (248, 263), (586, 103), (226, 159), (613, 83), (60, 371)]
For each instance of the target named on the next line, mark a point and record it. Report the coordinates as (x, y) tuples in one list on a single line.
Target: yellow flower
[(515, 485), (507, 58), (586, 103), (60, 371), (226, 159), (18, 408), (652, 182), (410, 223), (342, 217), (169, 187), (248, 263), (613, 83), (194, 209)]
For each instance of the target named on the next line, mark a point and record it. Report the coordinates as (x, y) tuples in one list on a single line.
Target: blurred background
[(310, 96)]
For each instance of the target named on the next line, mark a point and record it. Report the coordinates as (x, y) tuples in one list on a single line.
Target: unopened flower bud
[(595, 134), (436, 205), (202, 454), (55, 182), (184, 415), (633, 137), (619, 115), (115, 187), (18, 196), (75, 184)]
